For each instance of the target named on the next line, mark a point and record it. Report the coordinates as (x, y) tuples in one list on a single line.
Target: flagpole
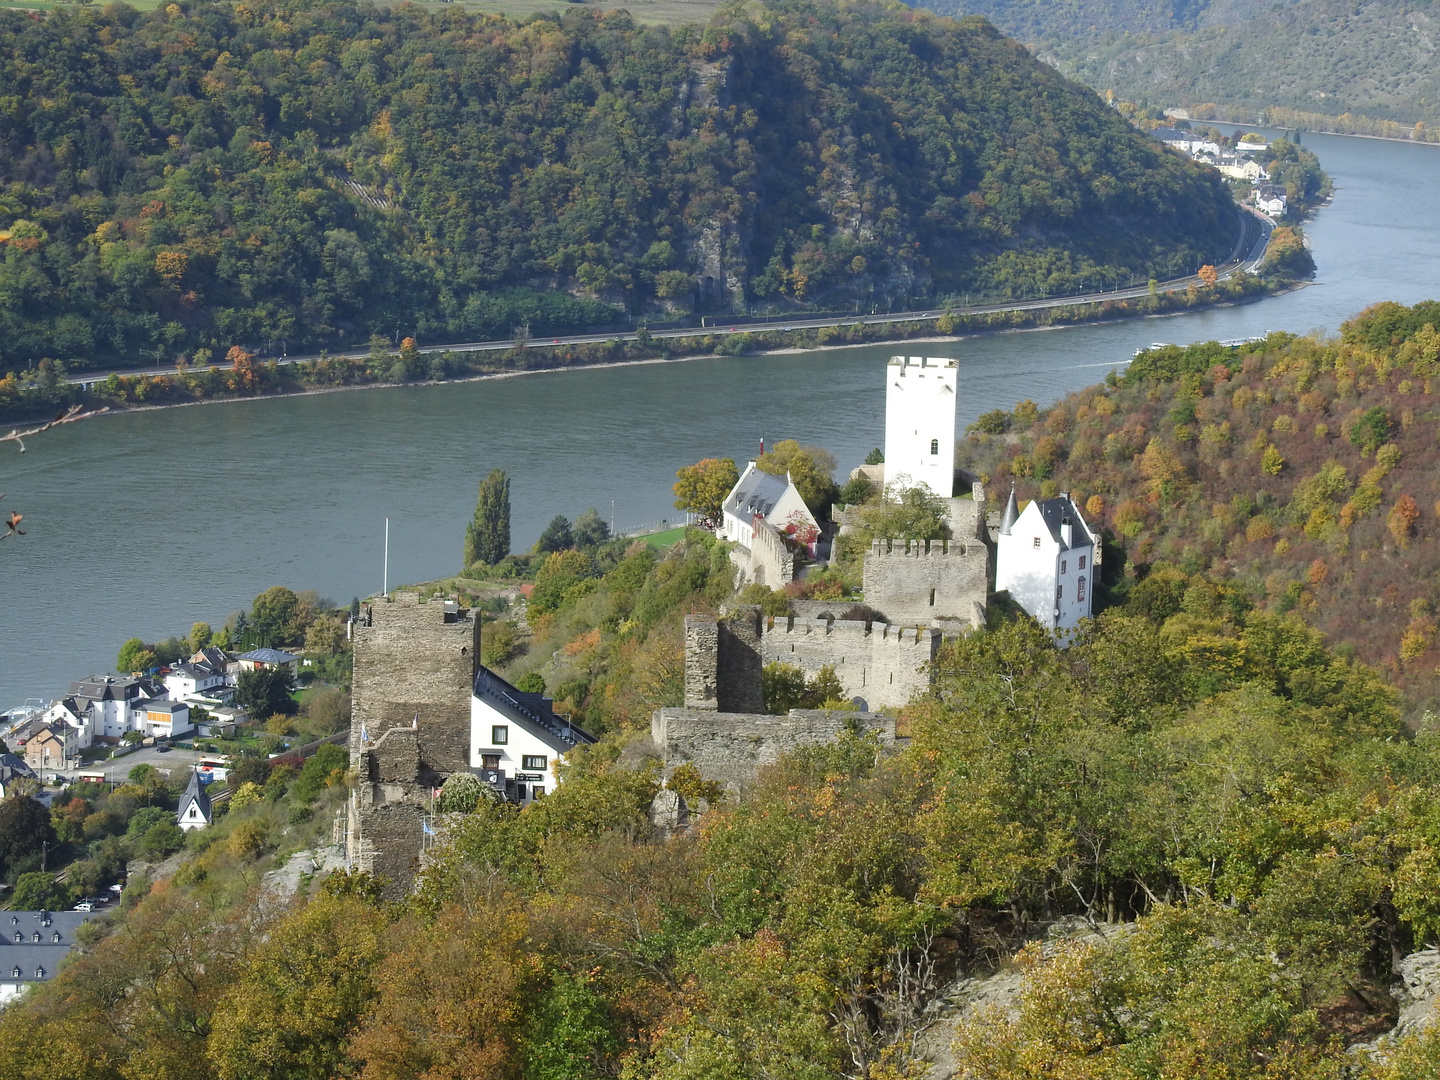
[(385, 581)]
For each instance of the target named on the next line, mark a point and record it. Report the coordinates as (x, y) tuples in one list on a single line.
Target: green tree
[(701, 488), (200, 635), (487, 537), (37, 891), (265, 692), (812, 469), (24, 827), (556, 536), (272, 617), (590, 530), (135, 655), (161, 839)]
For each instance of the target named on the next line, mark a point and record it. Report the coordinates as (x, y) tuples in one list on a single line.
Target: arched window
[(934, 446), (1080, 589)]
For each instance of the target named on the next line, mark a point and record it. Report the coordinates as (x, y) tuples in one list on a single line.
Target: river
[(141, 523)]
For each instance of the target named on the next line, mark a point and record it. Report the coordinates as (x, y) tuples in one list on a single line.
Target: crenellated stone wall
[(920, 581)]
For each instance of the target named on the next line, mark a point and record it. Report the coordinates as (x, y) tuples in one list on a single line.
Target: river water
[(142, 523)]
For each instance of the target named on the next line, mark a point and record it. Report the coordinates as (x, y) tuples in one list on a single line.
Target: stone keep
[(920, 401), (414, 676)]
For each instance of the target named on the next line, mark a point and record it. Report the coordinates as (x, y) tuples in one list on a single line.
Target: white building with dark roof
[(193, 811), (1048, 559), (33, 944), (517, 739), (759, 513)]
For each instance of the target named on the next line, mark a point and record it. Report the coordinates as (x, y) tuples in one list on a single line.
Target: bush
[(248, 839), (461, 793)]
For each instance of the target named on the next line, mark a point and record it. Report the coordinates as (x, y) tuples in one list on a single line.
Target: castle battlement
[(842, 631), (931, 549)]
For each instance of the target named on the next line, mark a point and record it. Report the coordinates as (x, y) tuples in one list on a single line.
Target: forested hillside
[(1259, 809), (1376, 59), (214, 174), (1294, 474)]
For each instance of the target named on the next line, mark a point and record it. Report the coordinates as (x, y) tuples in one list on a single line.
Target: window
[(1062, 566), (1080, 588), (538, 791), (533, 761), (19, 937), (1082, 562), (500, 734), (489, 761), (934, 446), (1059, 593), (14, 973), (520, 792), (1037, 542)]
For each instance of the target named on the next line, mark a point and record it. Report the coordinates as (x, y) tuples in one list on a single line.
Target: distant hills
[(179, 181), (1376, 58)]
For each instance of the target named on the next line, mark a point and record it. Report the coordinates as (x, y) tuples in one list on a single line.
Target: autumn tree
[(701, 489), (1401, 521), (1208, 276), (812, 468)]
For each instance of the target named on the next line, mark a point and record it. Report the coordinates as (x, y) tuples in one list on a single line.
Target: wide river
[(142, 523)]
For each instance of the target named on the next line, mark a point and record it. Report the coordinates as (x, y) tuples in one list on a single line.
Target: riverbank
[(924, 336), (247, 379)]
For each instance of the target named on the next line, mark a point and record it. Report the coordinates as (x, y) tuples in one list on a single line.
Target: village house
[(1240, 168), (1270, 199), (264, 659), (115, 704), (165, 719), (1047, 559), (518, 738), (198, 684), (51, 749), (760, 513), (1187, 142), (13, 769), (33, 944)]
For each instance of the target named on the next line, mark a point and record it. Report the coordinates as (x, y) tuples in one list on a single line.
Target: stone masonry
[(414, 674), (882, 664), (732, 748), (924, 581)]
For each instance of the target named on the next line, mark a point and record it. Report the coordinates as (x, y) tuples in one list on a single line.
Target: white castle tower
[(920, 397)]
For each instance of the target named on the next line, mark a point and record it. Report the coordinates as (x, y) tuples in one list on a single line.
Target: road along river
[(142, 523)]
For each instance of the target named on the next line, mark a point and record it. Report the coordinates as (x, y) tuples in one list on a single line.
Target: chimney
[(1066, 531)]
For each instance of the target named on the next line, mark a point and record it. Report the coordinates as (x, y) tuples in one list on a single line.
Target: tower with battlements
[(920, 397)]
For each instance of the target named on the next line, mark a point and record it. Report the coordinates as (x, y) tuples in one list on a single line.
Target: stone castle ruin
[(722, 728), (415, 668)]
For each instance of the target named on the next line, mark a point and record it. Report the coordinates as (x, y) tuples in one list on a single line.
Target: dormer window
[(56, 939), (19, 937), (39, 972), (15, 973), (36, 938)]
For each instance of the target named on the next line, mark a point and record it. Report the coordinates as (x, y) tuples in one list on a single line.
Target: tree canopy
[(289, 175)]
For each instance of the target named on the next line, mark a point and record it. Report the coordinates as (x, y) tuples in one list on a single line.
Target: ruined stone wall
[(767, 561), (702, 661), (384, 833), (416, 660), (732, 748), (883, 665), (920, 581), (741, 661)]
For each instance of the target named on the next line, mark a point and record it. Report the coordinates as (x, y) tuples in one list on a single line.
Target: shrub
[(461, 793), (248, 839)]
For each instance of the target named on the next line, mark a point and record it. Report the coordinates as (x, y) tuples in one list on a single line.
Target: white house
[(1240, 168), (115, 704), (517, 739), (920, 397), (193, 811), (198, 684), (1048, 560), (774, 499), (164, 719), (1187, 142), (1270, 199)]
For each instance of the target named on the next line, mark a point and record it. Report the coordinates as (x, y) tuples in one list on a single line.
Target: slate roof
[(194, 793), (31, 958), (533, 712), (1052, 510), (1169, 134), (16, 765), (1012, 511), (756, 493), (267, 656)]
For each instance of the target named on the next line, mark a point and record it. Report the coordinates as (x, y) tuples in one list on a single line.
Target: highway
[(1240, 260)]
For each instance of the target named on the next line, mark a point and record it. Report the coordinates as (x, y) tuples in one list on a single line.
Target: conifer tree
[(487, 538)]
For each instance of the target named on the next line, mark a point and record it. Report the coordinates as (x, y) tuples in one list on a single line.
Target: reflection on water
[(143, 523)]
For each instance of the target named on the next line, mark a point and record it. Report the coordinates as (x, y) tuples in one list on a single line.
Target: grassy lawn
[(664, 539), (667, 12)]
